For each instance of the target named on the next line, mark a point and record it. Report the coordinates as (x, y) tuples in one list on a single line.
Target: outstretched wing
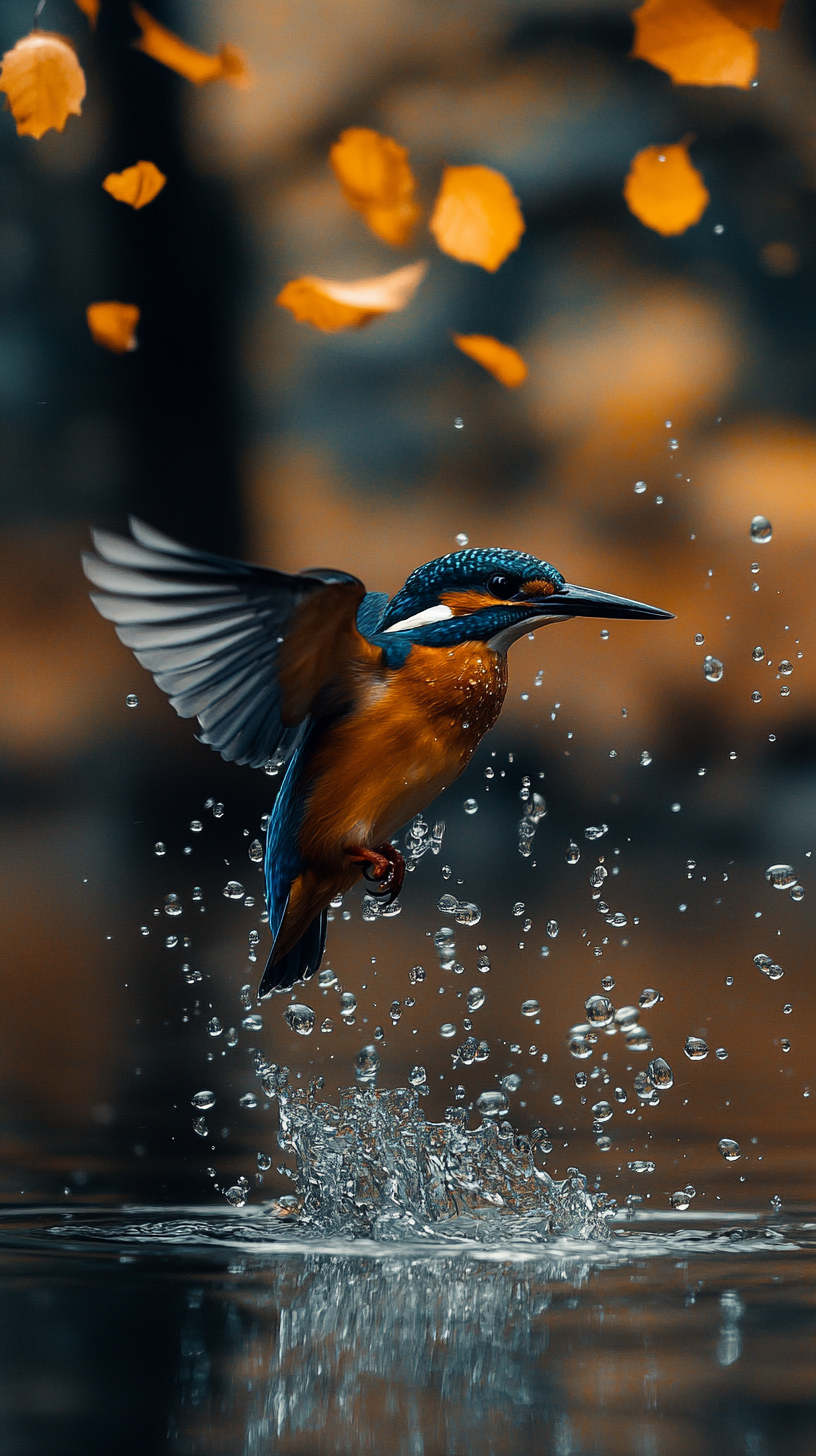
[(249, 652)]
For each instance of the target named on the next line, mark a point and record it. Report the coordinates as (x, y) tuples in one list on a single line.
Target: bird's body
[(374, 706)]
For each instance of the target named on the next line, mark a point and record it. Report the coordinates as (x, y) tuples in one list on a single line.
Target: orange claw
[(385, 868)]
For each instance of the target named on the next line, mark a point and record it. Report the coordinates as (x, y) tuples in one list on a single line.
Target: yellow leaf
[(695, 43), (664, 190), (331, 305), (90, 9), (229, 64), (504, 362), (476, 217), (43, 81), (113, 325), (377, 181), (137, 185), (750, 13)]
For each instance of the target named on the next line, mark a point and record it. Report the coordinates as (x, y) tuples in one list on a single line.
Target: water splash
[(374, 1167)]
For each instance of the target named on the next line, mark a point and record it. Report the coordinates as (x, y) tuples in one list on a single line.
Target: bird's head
[(494, 597)]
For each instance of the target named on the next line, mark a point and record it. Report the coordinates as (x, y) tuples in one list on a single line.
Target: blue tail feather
[(300, 962)]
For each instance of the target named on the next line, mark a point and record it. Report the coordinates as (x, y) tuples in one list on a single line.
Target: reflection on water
[(237, 1333)]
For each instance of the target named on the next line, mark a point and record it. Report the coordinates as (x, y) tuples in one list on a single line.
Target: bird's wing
[(248, 651)]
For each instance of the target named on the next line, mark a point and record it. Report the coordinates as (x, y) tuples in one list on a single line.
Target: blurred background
[(671, 398)]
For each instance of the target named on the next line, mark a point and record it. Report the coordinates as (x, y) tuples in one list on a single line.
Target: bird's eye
[(504, 585)]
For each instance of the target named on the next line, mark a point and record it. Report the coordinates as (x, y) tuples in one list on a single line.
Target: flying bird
[(372, 705)]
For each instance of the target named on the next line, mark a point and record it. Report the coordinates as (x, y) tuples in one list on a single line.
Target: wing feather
[(250, 652)]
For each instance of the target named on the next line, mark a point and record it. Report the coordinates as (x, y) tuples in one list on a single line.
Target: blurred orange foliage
[(476, 217), (695, 42), (502, 361), (377, 181), (90, 9), (331, 306), (43, 81), (228, 64), (137, 185), (750, 13), (664, 190), (113, 325)]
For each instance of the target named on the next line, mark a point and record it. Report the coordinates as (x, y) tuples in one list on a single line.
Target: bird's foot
[(383, 867)]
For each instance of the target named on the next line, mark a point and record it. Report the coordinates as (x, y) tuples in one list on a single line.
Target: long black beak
[(582, 601)]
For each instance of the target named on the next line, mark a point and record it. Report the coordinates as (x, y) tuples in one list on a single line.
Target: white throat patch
[(438, 613)]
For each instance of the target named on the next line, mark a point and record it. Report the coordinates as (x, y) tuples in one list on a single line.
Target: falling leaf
[(695, 42), (43, 81), (664, 190), (331, 306), (90, 9), (377, 181), (476, 217), (137, 185), (229, 64), (113, 325), (504, 362), (750, 13)]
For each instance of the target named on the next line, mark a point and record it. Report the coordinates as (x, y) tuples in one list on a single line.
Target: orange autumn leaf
[(330, 305), (377, 181), (750, 13), (664, 190), (229, 64), (113, 325), (695, 42), (137, 185), (476, 216), (504, 362), (90, 9), (43, 81)]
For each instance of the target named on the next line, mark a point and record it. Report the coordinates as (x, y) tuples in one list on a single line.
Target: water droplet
[(648, 998), (712, 669), (447, 1029), (573, 854), (729, 1149), (604, 635), (218, 811), (758, 654), (608, 983), (530, 1008), (580, 1048), (596, 831), (511, 1082), (640, 487), (596, 879), (172, 905), (721, 1054), (252, 1023), (458, 423), (214, 1026), (695, 1049), (641, 1165), (756, 696), (599, 1010), (492, 1104), (785, 667), (680, 1200), (236, 1195), (470, 806), (699, 639), (348, 1004), (461, 539), (786, 1010), (300, 1018), (248, 1100), (367, 1065), (417, 974), (785, 1044), (781, 876), (618, 920), (160, 848), (581, 1079), (798, 892), (645, 758), (200, 1127), (233, 890), (626, 1015), (602, 1111), (132, 701), (761, 529), (476, 997), (768, 967), (660, 1074), (203, 1100), (327, 1025), (256, 852), (467, 913)]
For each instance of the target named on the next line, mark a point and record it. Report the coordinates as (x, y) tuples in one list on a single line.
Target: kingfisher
[(370, 705)]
